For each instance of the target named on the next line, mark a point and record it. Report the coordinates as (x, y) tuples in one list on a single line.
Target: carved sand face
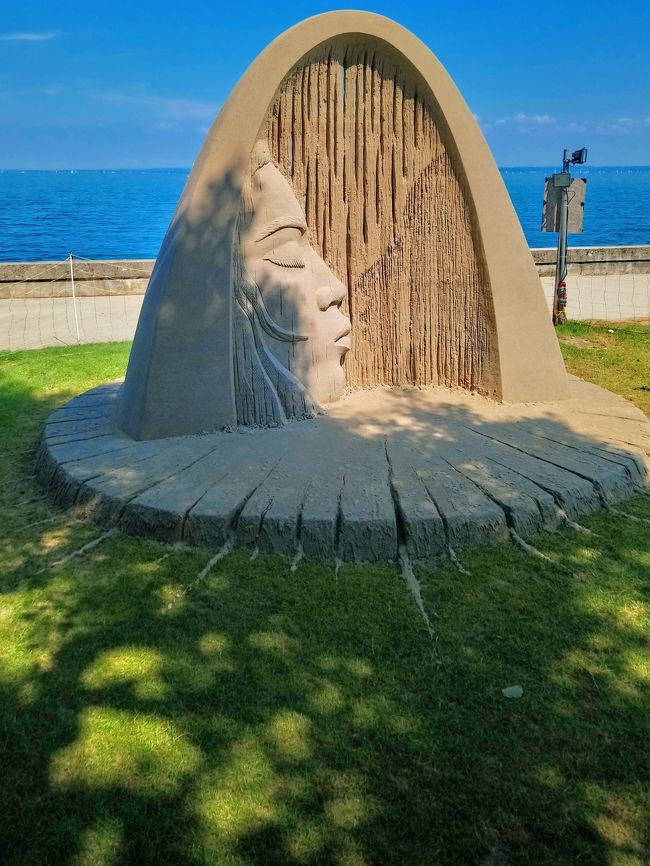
[(300, 292)]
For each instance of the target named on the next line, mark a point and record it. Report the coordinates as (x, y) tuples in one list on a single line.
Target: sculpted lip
[(346, 330), (343, 341)]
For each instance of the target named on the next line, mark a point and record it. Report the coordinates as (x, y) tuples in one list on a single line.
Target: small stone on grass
[(512, 692)]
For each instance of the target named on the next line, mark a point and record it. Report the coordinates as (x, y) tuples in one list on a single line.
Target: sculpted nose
[(331, 294), (340, 291)]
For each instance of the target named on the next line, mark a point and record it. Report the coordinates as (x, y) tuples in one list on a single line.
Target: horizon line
[(189, 168)]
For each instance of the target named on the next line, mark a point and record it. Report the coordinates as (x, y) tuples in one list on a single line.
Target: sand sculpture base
[(428, 469)]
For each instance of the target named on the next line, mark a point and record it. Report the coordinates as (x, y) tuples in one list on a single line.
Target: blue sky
[(136, 84)]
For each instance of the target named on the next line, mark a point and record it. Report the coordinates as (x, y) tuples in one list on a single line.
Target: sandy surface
[(386, 470)]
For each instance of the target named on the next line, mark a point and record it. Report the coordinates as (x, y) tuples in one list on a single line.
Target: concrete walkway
[(32, 323), (612, 297)]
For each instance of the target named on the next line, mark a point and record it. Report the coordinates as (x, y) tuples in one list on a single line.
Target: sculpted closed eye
[(286, 253), (285, 261)]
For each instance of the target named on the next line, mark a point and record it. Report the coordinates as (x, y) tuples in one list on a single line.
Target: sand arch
[(404, 205)]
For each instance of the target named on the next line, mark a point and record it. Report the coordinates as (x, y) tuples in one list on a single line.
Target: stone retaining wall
[(601, 261), (91, 278), (130, 277)]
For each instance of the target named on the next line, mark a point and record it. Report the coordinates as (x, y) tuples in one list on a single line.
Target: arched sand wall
[(354, 127)]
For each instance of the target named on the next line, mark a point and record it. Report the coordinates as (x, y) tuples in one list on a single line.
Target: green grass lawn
[(614, 356), (264, 716)]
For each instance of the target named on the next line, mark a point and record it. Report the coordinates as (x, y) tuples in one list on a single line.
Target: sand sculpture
[(344, 307), (351, 124)]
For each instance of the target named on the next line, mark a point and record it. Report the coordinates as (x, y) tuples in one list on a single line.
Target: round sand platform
[(427, 469)]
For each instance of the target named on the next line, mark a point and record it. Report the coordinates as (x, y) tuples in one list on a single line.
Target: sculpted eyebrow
[(281, 223)]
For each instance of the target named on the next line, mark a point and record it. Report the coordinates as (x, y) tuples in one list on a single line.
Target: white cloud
[(612, 128), (163, 108), (620, 126), (529, 123), (632, 122), (521, 123), (522, 119), (26, 37), (537, 119)]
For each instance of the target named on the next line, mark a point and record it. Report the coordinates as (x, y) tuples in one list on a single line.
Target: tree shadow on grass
[(264, 716)]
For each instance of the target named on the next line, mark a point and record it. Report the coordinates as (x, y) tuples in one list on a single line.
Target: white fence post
[(74, 300)]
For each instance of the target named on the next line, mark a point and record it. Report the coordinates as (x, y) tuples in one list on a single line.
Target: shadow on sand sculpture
[(269, 717), (197, 358)]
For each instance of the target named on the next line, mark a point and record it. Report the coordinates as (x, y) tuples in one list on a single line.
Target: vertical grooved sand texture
[(355, 133)]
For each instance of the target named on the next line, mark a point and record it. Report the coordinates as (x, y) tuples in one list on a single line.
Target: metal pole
[(74, 300), (559, 299)]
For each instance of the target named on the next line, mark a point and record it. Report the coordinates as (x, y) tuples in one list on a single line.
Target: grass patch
[(613, 355), (270, 717)]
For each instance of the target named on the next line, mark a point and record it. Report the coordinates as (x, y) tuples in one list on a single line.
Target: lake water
[(45, 215)]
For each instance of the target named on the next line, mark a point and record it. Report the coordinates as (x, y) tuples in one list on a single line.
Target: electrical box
[(575, 193), (561, 179)]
